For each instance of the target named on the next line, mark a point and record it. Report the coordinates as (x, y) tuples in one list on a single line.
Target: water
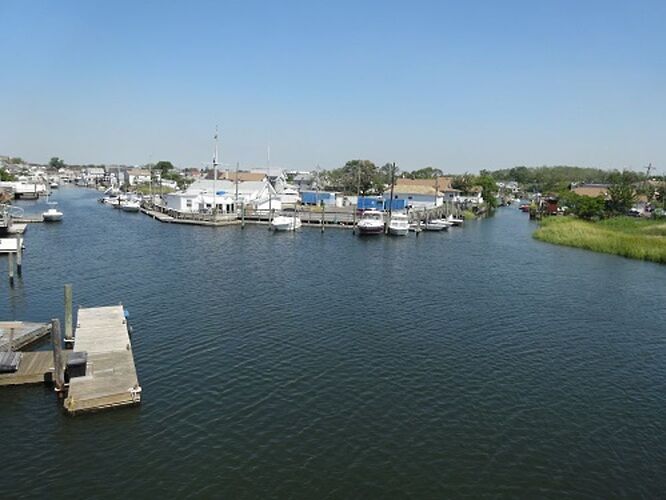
[(474, 363)]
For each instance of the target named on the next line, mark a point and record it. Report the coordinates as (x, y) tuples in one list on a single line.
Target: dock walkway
[(23, 333), (111, 378), (34, 368)]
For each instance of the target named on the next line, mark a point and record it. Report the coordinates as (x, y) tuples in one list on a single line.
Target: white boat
[(52, 214), (372, 222), (436, 225), (55, 185), (285, 223), (130, 205), (454, 221), (415, 227), (399, 225)]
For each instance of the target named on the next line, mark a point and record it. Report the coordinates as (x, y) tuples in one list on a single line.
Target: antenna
[(215, 163), (648, 168), (268, 160)]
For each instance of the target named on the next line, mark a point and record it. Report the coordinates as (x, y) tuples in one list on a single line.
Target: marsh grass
[(625, 236)]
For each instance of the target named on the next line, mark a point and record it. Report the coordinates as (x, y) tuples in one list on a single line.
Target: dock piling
[(56, 341), (69, 334), (10, 268), (19, 256)]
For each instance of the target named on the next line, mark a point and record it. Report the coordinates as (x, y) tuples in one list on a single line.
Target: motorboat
[(54, 185), (454, 221), (416, 227), (285, 223), (436, 225), (372, 222), (130, 205), (399, 225), (52, 214)]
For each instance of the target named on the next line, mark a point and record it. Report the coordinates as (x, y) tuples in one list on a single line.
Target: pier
[(15, 335), (110, 378), (33, 368)]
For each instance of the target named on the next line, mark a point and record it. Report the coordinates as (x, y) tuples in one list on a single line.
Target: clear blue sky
[(459, 85)]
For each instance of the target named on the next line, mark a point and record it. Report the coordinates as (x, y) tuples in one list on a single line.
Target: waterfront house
[(202, 194), (136, 176)]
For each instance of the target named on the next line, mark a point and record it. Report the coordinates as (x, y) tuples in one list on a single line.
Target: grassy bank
[(626, 236)]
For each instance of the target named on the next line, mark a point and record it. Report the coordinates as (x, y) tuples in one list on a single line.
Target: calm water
[(474, 363)]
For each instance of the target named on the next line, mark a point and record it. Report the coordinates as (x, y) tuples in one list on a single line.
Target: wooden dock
[(23, 334), (111, 378), (34, 368)]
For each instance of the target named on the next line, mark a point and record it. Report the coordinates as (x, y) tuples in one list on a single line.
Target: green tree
[(56, 163), (6, 176), (425, 173), (463, 182), (488, 187), (164, 167), (621, 194)]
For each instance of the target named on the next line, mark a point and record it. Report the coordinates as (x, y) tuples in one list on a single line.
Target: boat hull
[(52, 217), (370, 230), (398, 231)]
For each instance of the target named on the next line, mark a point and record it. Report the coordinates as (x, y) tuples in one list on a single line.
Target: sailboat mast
[(215, 163)]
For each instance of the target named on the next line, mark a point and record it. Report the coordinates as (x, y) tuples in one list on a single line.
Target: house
[(204, 193), (423, 193), (243, 176), (135, 176)]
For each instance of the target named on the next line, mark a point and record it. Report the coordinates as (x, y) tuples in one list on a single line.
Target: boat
[(399, 225), (416, 227), (454, 221), (524, 207), (437, 225), (285, 223), (130, 205), (372, 222), (52, 214), (54, 185)]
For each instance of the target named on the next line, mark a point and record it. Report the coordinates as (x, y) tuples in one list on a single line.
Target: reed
[(625, 236)]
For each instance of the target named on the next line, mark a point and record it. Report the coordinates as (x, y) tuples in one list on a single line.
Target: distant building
[(243, 176), (135, 176), (201, 196)]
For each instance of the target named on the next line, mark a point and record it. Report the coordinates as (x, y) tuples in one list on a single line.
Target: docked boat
[(399, 225), (285, 223), (130, 205), (437, 225), (52, 214), (454, 221), (372, 222), (54, 185), (416, 227)]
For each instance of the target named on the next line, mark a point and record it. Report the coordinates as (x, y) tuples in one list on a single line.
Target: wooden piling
[(56, 342), (19, 256), (323, 215), (10, 268), (243, 215), (69, 333)]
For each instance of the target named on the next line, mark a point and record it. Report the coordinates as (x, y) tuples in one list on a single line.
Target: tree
[(56, 163), (163, 167), (6, 176), (463, 182), (488, 187), (386, 173), (425, 173), (621, 193)]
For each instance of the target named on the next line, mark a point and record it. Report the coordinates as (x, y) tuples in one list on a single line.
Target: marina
[(257, 374)]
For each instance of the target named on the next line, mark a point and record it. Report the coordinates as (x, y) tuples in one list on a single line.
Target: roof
[(138, 171), (414, 189), (228, 186), (242, 176), (442, 183), (592, 190)]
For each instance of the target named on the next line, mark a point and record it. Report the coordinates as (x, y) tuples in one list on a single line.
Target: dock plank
[(33, 367), (25, 333)]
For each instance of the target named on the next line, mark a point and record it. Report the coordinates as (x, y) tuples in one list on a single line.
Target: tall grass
[(632, 238)]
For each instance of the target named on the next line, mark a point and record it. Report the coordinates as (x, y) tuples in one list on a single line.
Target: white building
[(134, 176), (203, 194)]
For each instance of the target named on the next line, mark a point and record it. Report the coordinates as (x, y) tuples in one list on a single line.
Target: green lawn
[(626, 236)]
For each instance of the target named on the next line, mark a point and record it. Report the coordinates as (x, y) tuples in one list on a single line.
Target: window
[(188, 203)]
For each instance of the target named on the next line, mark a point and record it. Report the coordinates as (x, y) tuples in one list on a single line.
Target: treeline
[(558, 178)]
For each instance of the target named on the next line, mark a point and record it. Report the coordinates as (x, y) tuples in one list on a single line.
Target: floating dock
[(33, 368), (21, 333), (110, 379)]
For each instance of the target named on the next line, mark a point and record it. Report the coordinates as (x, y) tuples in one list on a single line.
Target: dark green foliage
[(56, 163), (164, 167), (355, 174), (6, 176), (555, 179), (585, 207), (463, 182), (488, 186), (424, 173)]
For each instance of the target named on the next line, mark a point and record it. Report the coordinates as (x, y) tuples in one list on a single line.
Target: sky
[(461, 86)]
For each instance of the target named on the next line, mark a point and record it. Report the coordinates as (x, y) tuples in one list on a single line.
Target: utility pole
[(358, 194), (391, 196)]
